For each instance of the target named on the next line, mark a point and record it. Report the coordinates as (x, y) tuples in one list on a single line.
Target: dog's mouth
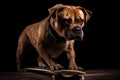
[(76, 34)]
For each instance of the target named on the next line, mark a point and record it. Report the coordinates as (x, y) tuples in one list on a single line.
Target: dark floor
[(91, 75)]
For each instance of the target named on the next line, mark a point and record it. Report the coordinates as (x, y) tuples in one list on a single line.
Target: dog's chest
[(54, 49)]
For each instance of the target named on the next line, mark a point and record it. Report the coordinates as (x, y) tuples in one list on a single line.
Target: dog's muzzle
[(76, 33)]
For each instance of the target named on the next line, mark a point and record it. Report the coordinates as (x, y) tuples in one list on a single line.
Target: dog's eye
[(79, 20), (67, 21)]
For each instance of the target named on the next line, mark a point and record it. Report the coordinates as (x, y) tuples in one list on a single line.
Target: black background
[(98, 50)]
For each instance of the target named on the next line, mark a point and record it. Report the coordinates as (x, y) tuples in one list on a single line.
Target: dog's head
[(68, 21)]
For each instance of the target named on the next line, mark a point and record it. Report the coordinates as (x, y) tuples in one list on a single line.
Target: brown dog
[(55, 34)]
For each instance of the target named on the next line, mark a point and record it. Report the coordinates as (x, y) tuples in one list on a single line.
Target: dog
[(54, 35)]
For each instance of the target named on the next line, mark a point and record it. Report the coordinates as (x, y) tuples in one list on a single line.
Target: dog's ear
[(52, 10), (87, 13)]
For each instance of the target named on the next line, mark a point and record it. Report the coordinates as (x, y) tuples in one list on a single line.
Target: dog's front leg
[(52, 65), (71, 55)]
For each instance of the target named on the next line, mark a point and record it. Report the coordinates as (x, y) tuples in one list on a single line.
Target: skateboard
[(60, 74)]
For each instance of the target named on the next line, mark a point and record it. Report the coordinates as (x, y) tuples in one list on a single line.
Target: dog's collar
[(54, 34)]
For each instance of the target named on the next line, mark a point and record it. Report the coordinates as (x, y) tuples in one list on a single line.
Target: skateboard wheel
[(52, 77), (82, 78)]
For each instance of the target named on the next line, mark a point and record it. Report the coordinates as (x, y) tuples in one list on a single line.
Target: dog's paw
[(42, 66), (58, 67), (76, 68), (21, 70), (54, 66), (73, 67), (80, 68)]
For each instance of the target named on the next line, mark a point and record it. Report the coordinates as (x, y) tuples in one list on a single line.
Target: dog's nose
[(76, 29)]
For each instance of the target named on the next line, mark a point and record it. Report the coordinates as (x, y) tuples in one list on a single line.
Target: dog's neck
[(54, 34)]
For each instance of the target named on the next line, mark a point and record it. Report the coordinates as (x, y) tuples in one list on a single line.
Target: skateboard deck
[(60, 74), (70, 72), (39, 70)]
